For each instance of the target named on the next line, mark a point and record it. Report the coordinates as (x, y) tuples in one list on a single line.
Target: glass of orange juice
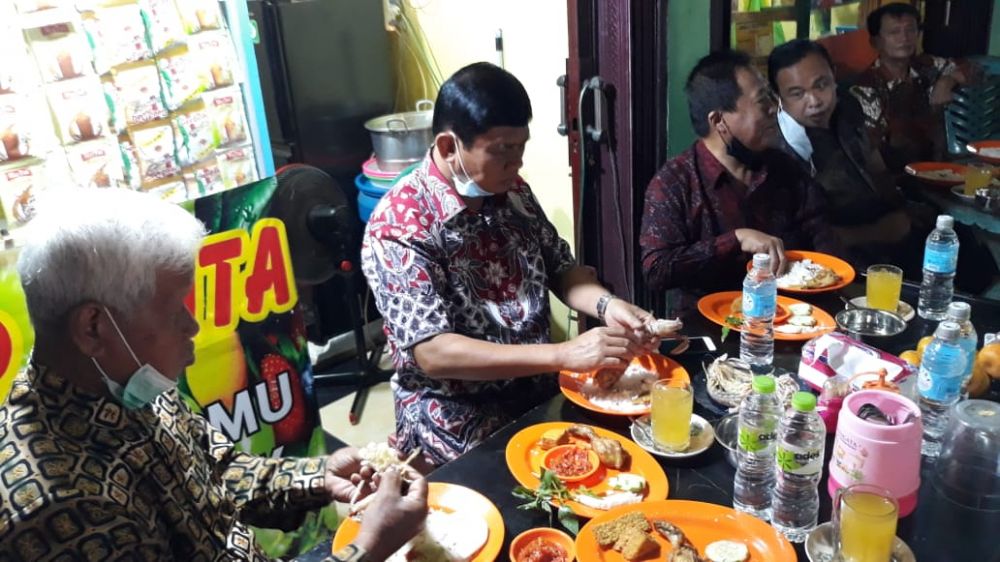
[(977, 176), (670, 414), (864, 520), (884, 284)]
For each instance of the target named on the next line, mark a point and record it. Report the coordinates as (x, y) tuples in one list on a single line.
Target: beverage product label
[(941, 260), (799, 460), (946, 385), (758, 304), (756, 440)]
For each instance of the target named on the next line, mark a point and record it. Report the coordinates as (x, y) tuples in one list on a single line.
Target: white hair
[(103, 245)]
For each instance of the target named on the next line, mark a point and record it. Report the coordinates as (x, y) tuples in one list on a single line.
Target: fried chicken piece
[(684, 553), (671, 532), (582, 431), (611, 452), (605, 378)]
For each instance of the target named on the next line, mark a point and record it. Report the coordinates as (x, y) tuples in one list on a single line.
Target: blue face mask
[(145, 384), (466, 187), (796, 137)]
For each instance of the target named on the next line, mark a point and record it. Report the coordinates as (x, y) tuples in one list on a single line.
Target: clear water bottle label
[(758, 305), (942, 387), (941, 260), (799, 460), (754, 440)]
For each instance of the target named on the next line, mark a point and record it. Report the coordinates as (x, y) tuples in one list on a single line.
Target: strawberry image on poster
[(296, 426)]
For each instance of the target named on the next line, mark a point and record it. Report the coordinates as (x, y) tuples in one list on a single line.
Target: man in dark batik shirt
[(729, 195)]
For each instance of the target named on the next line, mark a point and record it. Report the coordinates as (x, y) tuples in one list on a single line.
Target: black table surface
[(937, 531)]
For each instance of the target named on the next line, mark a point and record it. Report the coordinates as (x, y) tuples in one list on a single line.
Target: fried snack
[(606, 378), (608, 534), (684, 553), (581, 431), (670, 532), (664, 327), (611, 452), (553, 438), (635, 544)]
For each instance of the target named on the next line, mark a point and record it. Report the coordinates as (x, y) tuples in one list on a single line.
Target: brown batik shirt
[(82, 478)]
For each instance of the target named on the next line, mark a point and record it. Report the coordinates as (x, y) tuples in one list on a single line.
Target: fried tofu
[(635, 544), (553, 438), (608, 534)]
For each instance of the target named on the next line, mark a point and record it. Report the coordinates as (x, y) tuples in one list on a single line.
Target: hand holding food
[(394, 516), (600, 348), (756, 242)]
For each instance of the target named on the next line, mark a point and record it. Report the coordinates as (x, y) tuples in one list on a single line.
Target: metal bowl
[(726, 433), (870, 322), (988, 199)]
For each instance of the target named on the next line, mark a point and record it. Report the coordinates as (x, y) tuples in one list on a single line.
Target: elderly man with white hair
[(99, 457)]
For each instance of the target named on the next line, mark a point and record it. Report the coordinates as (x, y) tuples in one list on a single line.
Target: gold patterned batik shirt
[(82, 478)]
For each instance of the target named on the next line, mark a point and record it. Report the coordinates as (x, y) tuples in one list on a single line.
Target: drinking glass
[(977, 176), (670, 414), (864, 523), (883, 286)]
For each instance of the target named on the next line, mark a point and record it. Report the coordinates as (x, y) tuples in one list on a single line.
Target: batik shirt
[(82, 478), (437, 267)]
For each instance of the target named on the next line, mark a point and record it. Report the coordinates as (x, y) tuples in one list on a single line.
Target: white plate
[(819, 546), (905, 310), (702, 437), (959, 191)]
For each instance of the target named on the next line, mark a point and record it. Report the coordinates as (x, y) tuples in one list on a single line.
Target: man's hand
[(943, 90), (624, 314), (344, 473), (393, 517), (600, 348), (756, 242)]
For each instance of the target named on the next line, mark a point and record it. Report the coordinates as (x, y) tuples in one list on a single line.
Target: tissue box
[(837, 354)]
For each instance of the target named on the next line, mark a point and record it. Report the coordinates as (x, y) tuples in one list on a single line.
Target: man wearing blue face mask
[(99, 456), (461, 259)]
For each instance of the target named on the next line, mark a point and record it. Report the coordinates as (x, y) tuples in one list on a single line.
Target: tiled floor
[(377, 418)]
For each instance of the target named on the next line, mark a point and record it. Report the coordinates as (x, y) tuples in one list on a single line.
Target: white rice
[(800, 273), (634, 384)]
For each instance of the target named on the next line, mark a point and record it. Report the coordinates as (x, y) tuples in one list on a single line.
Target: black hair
[(896, 10), (479, 97), (791, 53), (712, 86)]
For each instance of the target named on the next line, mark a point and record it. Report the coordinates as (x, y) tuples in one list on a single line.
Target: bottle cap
[(945, 221), (761, 261), (763, 384), (947, 331), (959, 311), (804, 401)]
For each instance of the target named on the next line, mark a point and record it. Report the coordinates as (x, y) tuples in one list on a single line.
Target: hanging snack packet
[(199, 15), (118, 36), (163, 24), (19, 186), (237, 165), (16, 72), (226, 108), (130, 164), (134, 96), (15, 130), (180, 78), (171, 189), (195, 134), (203, 179), (29, 6), (60, 51), (154, 151), (216, 58), (95, 164), (79, 109)]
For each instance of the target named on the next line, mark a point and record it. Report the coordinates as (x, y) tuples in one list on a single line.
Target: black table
[(938, 531)]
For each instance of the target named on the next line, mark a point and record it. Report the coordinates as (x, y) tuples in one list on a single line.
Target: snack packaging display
[(199, 15), (838, 354), (181, 80), (154, 151), (16, 74), (133, 93), (30, 6), (203, 179), (19, 186), (171, 189), (61, 52), (195, 134), (118, 36), (95, 164), (130, 164), (79, 109), (15, 130), (237, 165), (163, 24), (226, 109), (216, 58)]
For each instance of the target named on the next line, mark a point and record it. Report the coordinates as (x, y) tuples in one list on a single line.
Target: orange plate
[(524, 459), (976, 147), (452, 498), (715, 307), (572, 383), (917, 167), (702, 523), (839, 266)]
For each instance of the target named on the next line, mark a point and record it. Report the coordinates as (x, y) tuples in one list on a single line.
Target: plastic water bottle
[(758, 429), (760, 298), (940, 262), (960, 313), (940, 383), (799, 466)]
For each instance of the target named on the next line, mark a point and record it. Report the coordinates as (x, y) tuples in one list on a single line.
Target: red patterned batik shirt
[(437, 267)]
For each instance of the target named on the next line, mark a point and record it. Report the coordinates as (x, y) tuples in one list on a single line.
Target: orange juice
[(977, 177), (671, 415), (883, 287), (867, 527)]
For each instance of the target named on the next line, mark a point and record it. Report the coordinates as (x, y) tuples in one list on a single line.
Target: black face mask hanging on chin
[(741, 153)]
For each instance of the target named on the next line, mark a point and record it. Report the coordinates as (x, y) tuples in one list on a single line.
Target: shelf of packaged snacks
[(785, 13)]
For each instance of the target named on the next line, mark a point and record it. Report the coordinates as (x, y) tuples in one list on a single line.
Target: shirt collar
[(445, 202), (891, 82), (59, 390), (711, 170)]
